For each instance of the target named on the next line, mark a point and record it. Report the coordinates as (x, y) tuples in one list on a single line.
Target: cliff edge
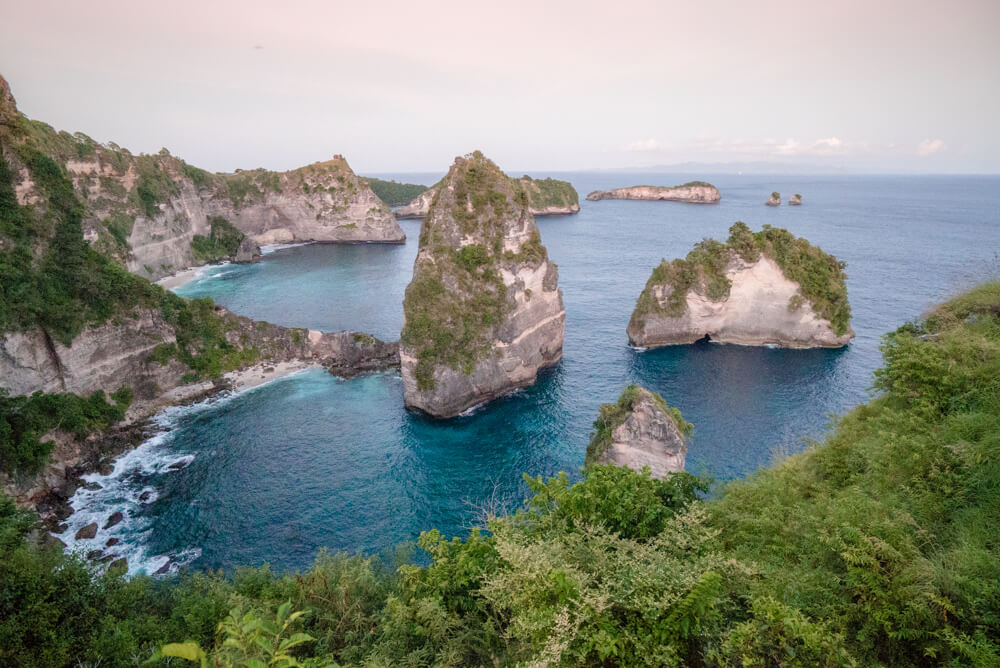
[(758, 288), (483, 312), (546, 197)]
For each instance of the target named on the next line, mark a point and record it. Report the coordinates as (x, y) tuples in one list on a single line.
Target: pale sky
[(902, 85)]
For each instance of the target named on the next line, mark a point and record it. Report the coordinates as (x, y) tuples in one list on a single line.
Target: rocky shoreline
[(693, 192)]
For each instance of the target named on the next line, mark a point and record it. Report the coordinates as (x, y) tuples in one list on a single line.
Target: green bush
[(394, 193), (223, 241)]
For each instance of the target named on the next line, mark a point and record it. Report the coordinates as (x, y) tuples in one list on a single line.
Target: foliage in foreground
[(877, 547)]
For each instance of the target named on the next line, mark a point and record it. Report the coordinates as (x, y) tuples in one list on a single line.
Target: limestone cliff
[(756, 289), (142, 351), (483, 312), (546, 197), (640, 430), (145, 210), (693, 192)]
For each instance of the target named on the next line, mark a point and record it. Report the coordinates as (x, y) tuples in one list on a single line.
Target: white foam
[(271, 248)]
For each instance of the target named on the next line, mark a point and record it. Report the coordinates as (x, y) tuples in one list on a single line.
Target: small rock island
[(795, 200), (756, 289), (774, 200), (483, 312), (692, 192), (546, 197), (640, 430)]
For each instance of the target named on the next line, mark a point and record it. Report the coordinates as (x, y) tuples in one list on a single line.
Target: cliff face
[(638, 431), (483, 312), (740, 293), (695, 192), (145, 210), (546, 197), (134, 352)]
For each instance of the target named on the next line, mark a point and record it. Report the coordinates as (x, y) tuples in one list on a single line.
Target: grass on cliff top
[(820, 276), (223, 241), (394, 193), (457, 296), (614, 415), (877, 547), (548, 192)]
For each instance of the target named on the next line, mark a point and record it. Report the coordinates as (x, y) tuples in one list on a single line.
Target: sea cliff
[(640, 430), (483, 312), (693, 192), (546, 197), (756, 289), (148, 210)]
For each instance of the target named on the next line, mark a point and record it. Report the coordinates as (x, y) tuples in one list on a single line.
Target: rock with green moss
[(774, 200), (692, 192), (546, 197), (761, 288), (795, 200), (483, 312), (640, 430)]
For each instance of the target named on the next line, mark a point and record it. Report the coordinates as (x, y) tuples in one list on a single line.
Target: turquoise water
[(313, 461)]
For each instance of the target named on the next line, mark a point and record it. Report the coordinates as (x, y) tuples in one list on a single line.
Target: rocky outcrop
[(693, 192), (795, 200), (640, 431), (248, 252), (739, 293), (127, 354), (145, 210), (483, 312), (774, 200), (546, 197)]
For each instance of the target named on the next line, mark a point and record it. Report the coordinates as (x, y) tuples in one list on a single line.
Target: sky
[(870, 86)]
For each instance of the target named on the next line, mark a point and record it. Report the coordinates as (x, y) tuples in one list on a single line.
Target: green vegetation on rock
[(546, 193), (614, 415), (457, 295), (24, 421), (820, 276), (877, 547), (223, 241), (394, 193)]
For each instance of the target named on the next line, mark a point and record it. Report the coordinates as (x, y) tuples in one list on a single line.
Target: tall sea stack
[(483, 312)]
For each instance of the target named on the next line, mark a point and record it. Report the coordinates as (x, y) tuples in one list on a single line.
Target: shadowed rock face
[(693, 193), (484, 311), (145, 210), (648, 436), (758, 311)]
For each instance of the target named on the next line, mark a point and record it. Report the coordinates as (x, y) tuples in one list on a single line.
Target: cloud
[(931, 146), (644, 146)]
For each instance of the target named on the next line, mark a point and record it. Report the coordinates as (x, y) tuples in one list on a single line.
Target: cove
[(313, 461)]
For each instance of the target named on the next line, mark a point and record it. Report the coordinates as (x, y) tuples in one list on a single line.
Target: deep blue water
[(313, 461)]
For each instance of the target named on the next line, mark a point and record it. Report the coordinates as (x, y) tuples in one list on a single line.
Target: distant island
[(546, 197), (692, 192)]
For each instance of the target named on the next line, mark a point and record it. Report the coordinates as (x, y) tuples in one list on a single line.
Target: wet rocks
[(87, 532)]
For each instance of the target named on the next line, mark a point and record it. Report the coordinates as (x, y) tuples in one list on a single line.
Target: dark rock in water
[(87, 532), (111, 542), (145, 496), (60, 528), (247, 253), (94, 554), (178, 465), (92, 486), (121, 563), (105, 467), (165, 568), (113, 520)]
